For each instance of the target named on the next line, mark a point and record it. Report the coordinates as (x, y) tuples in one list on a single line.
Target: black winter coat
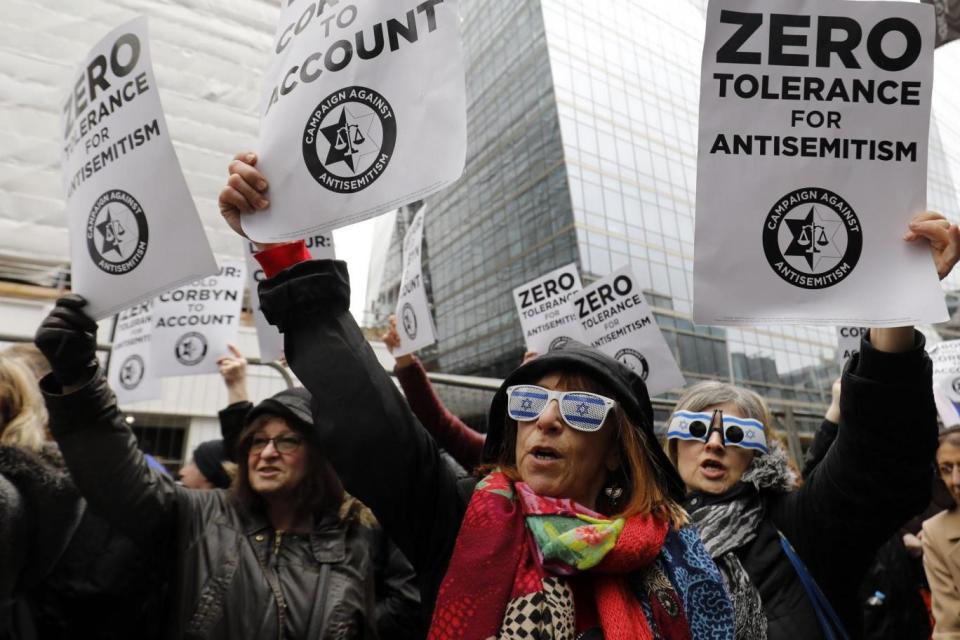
[(64, 572), (232, 575), (873, 479)]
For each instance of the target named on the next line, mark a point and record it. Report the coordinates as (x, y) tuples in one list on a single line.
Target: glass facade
[(582, 125)]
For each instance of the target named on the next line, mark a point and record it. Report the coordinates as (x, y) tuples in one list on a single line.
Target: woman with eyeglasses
[(575, 528), (793, 558), (284, 553)]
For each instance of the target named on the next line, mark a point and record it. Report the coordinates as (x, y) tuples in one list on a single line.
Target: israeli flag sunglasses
[(581, 410), (739, 432)]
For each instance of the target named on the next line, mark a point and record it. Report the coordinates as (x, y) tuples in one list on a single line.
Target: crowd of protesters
[(333, 510)]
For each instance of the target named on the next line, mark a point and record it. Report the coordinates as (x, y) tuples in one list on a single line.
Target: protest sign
[(946, 380), (848, 342), (617, 320), (363, 110), (414, 320), (193, 323), (269, 338), (814, 117), (948, 19), (547, 317), (134, 230), (131, 374)]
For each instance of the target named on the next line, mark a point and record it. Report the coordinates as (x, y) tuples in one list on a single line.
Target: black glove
[(68, 339)]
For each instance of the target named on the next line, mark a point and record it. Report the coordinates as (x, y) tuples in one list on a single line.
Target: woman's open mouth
[(712, 469)]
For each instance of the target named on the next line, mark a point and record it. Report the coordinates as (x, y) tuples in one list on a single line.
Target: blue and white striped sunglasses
[(581, 410), (739, 432)]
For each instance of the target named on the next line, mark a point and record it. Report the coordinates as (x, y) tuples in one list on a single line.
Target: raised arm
[(877, 473), (97, 445), (380, 451)]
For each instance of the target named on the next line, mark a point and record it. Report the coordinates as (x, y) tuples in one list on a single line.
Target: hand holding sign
[(244, 192), (944, 238), (391, 338)]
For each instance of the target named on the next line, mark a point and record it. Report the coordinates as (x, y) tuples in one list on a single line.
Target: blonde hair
[(23, 414), (710, 393)]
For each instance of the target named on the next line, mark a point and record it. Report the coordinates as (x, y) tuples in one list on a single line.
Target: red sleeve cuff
[(276, 259)]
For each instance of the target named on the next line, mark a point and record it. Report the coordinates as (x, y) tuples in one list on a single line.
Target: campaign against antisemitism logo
[(191, 348), (558, 343), (956, 386), (117, 232), (131, 372), (349, 139), (812, 238), (408, 318), (635, 361)]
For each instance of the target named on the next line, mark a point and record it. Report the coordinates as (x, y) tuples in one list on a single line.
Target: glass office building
[(582, 125)]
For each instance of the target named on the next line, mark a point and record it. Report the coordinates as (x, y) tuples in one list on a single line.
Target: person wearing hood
[(793, 558), (575, 531), (206, 469), (285, 553)]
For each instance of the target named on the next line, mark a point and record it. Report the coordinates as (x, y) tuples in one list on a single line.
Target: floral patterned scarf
[(507, 576)]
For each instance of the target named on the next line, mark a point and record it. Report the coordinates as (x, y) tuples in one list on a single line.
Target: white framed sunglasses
[(738, 432), (580, 410)]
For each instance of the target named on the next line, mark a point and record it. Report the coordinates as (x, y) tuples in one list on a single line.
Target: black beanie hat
[(209, 458)]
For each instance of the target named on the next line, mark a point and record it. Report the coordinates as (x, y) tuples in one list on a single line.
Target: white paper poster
[(269, 338), (193, 323), (848, 342), (131, 374), (363, 110), (946, 380), (617, 320), (547, 316), (814, 116), (414, 320), (134, 229)]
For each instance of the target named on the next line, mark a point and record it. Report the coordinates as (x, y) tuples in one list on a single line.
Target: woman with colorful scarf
[(574, 532), (793, 558)]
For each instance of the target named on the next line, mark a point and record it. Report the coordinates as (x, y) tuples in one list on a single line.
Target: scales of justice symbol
[(348, 137), (812, 237)]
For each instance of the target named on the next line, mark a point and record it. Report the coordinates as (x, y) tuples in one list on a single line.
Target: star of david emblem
[(582, 409), (812, 238), (750, 434), (347, 137), (129, 372), (526, 404), (112, 231)]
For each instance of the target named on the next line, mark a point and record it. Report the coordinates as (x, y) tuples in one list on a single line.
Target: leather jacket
[(232, 576)]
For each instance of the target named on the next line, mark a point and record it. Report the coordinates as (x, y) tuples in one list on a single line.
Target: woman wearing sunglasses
[(575, 530), (793, 558)]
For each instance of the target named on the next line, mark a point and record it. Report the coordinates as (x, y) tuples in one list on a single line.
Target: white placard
[(363, 110), (617, 320), (414, 320), (193, 324), (131, 374), (946, 380), (269, 338), (547, 317), (814, 117), (134, 229), (848, 342)]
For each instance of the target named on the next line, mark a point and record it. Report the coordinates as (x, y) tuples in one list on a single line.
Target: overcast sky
[(353, 245)]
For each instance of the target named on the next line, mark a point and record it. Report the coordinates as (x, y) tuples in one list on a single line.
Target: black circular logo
[(408, 318), (812, 238), (349, 138), (117, 233), (191, 348), (635, 361), (131, 372), (956, 386), (558, 343)]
